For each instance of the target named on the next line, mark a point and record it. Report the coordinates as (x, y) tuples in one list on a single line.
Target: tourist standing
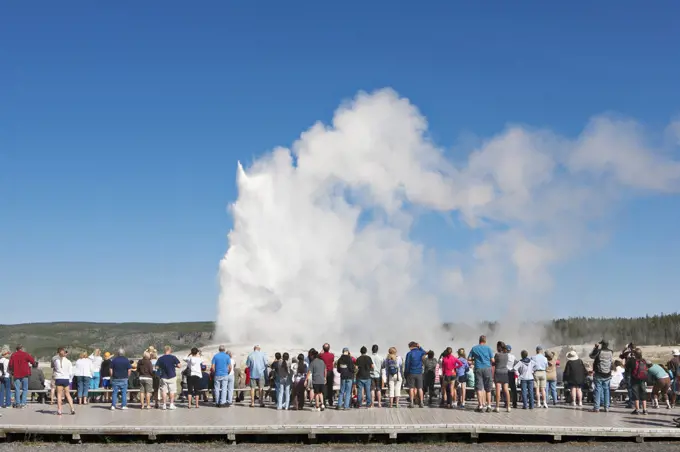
[(317, 375), (501, 376), (257, 363), (526, 369), (639, 377), (674, 371), (20, 368), (462, 378), (540, 377), (231, 379), (36, 382), (299, 383), (105, 375), (329, 360), (166, 367), (284, 381), (551, 376), (575, 377), (364, 367), (512, 375), (221, 367), (62, 370), (602, 367), (83, 376), (97, 360), (146, 374), (120, 372), (450, 365), (194, 375), (345, 368), (482, 357), (376, 375), (414, 370), (5, 381), (661, 381), (430, 367)]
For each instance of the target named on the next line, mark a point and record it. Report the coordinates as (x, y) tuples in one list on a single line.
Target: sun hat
[(107, 355), (676, 352), (572, 356)]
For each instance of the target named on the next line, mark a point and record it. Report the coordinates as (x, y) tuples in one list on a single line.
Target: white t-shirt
[(5, 363), (83, 368), (62, 369), (194, 363), (96, 363)]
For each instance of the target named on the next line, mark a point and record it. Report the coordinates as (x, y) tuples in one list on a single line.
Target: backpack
[(640, 371), (604, 362), (392, 368)]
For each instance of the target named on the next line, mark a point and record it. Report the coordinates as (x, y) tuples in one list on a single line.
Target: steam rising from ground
[(321, 246)]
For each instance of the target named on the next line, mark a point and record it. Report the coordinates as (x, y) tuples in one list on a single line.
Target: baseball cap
[(345, 349), (508, 346)]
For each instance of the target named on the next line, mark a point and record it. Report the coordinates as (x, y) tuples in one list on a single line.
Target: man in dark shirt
[(346, 371), (120, 372), (364, 367)]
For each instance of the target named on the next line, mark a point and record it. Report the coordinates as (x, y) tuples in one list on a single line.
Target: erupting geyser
[(321, 247)]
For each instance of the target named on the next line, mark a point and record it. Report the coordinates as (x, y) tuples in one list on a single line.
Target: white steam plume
[(321, 251)]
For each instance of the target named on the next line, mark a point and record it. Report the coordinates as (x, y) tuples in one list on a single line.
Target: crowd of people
[(500, 380)]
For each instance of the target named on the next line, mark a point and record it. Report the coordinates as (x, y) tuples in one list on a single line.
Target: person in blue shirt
[(221, 368), (257, 363), (541, 365), (167, 366), (413, 367), (120, 372), (482, 355)]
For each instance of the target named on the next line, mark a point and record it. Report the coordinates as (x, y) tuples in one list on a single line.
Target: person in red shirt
[(20, 367), (329, 360)]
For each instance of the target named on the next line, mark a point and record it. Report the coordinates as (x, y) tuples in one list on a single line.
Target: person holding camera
[(628, 357), (602, 368)]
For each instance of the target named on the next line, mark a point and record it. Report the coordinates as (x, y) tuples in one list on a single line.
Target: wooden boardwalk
[(555, 423)]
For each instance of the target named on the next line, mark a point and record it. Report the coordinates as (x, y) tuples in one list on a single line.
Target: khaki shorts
[(145, 385), (540, 379), (257, 383), (168, 385)]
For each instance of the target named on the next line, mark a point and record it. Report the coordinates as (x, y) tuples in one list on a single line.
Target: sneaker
[(645, 412), (573, 403), (421, 405), (606, 410), (496, 410), (124, 408), (113, 408), (594, 410), (172, 406), (545, 405), (163, 407), (488, 409), (635, 412), (479, 409), (509, 409)]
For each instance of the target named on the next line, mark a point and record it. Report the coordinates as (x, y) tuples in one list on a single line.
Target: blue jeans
[(94, 381), (5, 393), (230, 389), (345, 393), (119, 386), (601, 393), (364, 384), (83, 384), (552, 390), (527, 393), (20, 395), (221, 390), (283, 394)]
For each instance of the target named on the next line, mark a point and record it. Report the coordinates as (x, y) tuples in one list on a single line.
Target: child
[(525, 370)]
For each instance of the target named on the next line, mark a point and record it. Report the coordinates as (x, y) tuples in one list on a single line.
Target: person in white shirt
[(194, 362), (230, 380), (97, 360), (5, 381), (62, 370), (83, 374)]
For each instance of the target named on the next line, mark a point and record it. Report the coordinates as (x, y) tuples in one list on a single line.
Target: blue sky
[(121, 124)]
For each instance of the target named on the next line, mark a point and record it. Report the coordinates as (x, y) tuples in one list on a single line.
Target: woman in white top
[(194, 362), (83, 373), (62, 369), (97, 361)]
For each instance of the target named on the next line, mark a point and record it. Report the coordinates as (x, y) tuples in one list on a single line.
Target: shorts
[(318, 389), (168, 385), (502, 377), (376, 383), (483, 379), (540, 379), (448, 379), (193, 385), (62, 383), (415, 381), (462, 379), (257, 383), (639, 390), (106, 383), (145, 385), (661, 387)]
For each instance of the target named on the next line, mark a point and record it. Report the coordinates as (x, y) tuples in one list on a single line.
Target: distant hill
[(41, 339)]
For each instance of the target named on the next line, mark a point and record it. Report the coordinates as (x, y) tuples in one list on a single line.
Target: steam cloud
[(321, 251)]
